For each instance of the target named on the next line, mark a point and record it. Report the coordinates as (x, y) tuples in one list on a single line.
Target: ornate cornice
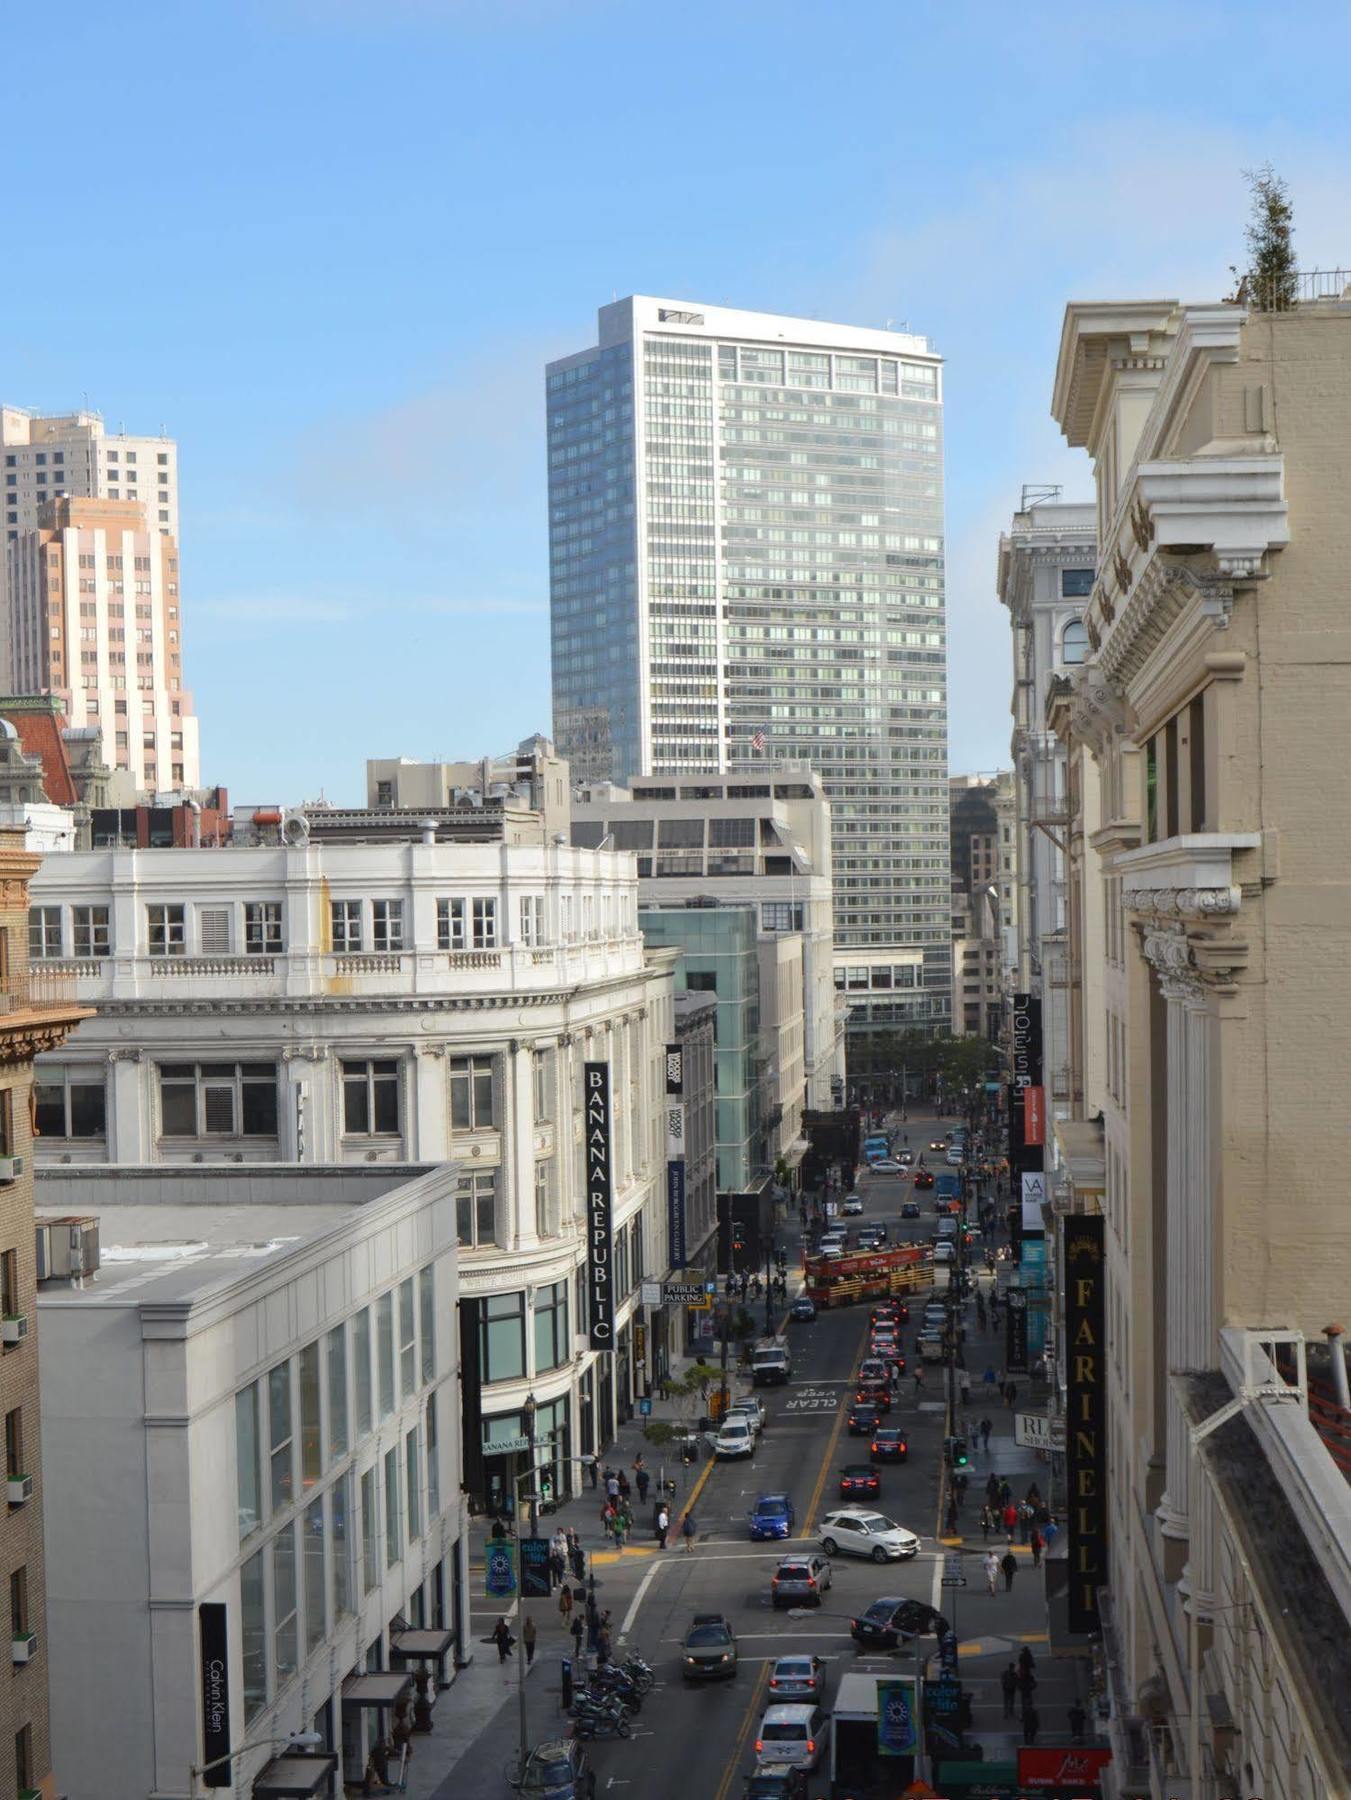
[(1184, 902), (1099, 710), (1191, 966)]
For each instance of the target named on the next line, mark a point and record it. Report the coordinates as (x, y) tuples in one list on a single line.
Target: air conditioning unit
[(25, 1646), (44, 1252), (11, 1167), (295, 827), (67, 1249), (14, 1328), (19, 1489)]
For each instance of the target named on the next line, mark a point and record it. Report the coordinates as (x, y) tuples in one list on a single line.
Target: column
[(518, 1145), (428, 1127), (130, 1107), (1173, 1505)]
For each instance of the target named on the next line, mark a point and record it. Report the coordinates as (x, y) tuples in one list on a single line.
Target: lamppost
[(294, 1740), (528, 1415)]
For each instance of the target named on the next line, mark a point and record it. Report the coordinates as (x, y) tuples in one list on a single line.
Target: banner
[(675, 1157), (599, 1191), (499, 1570), (1034, 1115), (1027, 1070), (1085, 1278), (215, 1644), (1074, 1770), (897, 1734), (1015, 1331), (535, 1581)]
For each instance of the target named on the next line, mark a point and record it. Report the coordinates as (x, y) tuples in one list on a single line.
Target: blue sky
[(329, 244)]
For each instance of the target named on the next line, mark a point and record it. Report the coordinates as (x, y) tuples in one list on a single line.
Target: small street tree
[(1272, 281)]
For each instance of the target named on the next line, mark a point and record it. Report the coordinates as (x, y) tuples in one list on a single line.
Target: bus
[(868, 1274)]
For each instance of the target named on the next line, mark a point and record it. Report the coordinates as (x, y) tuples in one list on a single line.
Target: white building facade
[(385, 1002), (263, 1373)]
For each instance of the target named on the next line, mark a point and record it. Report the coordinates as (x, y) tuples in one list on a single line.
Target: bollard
[(567, 1683)]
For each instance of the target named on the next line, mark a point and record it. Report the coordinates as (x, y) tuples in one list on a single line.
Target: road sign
[(952, 1572), (645, 1408), (687, 1293)]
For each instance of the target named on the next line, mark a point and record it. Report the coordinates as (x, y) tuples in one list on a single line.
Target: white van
[(771, 1363)]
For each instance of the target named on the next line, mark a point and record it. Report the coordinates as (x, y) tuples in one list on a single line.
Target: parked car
[(772, 1516), (797, 1678), (557, 1770), (803, 1310), (709, 1649), (853, 1205), (863, 1420), (910, 1208), (794, 1735), (889, 1444), (859, 1480), (888, 1165), (888, 1622), (734, 1437), (800, 1578), (776, 1784), (870, 1534), (752, 1407)]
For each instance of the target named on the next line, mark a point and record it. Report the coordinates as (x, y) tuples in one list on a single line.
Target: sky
[(329, 245)]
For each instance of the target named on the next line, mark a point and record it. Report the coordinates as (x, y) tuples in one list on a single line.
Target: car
[(708, 1652), (831, 1252), (944, 1251), (557, 1770), (797, 1678), (863, 1419), (946, 1205), (772, 1516), (954, 1156), (794, 1735), (923, 1181), (876, 1394), (803, 1310), (889, 1621), (859, 1479), (872, 1369), (910, 1209), (734, 1437), (865, 1533), (800, 1578), (853, 1204), (889, 1444), (781, 1783), (882, 1346), (884, 1317), (752, 1407), (939, 1144), (888, 1165), (906, 1157)]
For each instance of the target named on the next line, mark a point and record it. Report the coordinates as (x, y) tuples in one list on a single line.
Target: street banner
[(1072, 1771), (535, 1582), (675, 1157), (1015, 1331), (1085, 1277), (499, 1571), (1034, 1115), (897, 1734), (599, 1201), (215, 1647)]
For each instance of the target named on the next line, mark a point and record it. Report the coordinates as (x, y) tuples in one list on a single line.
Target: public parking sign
[(687, 1293)]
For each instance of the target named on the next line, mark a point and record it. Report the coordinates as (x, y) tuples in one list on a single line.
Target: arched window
[(1074, 642)]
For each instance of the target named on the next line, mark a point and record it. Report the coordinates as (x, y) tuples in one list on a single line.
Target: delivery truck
[(858, 1770)]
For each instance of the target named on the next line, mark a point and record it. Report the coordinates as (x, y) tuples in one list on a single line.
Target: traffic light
[(957, 1454)]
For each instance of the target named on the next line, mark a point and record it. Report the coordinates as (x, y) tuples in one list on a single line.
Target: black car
[(910, 1209), (776, 1784), (859, 1479), (803, 1309), (863, 1420), (557, 1771), (709, 1652), (894, 1620), (889, 1445)]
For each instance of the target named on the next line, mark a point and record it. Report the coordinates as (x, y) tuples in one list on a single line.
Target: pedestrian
[(1010, 1520), (578, 1630), (592, 1466), (986, 1522), (1048, 1532), (1033, 1495), (642, 1479), (529, 1635), (987, 1379), (621, 1520), (565, 1606), (687, 1531), (991, 1570), (1008, 1683), (1024, 1521), (986, 1427), (1078, 1722), (992, 1490), (1009, 1564), (919, 1376), (503, 1639), (607, 1518), (964, 1381), (624, 1489), (576, 1557), (1005, 1492), (1027, 1682), (663, 1526), (1038, 1543), (1031, 1723), (1011, 1394), (1027, 1664)]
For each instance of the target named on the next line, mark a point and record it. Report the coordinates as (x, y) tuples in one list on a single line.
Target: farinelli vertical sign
[(675, 1156), (215, 1646), (1086, 1413), (599, 1192)]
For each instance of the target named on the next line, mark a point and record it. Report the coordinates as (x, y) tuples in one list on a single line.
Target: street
[(700, 1738)]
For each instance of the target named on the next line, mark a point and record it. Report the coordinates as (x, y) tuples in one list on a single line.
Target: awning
[(410, 1645), (376, 1690), (795, 1152), (296, 1776)]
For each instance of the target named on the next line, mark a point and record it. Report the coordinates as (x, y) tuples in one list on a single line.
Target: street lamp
[(294, 1740)]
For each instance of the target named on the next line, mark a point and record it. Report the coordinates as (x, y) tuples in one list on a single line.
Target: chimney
[(1337, 1356), (428, 830)]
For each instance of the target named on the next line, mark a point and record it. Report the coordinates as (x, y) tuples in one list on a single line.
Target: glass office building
[(746, 543)]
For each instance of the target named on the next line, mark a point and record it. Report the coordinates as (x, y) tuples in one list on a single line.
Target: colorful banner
[(599, 1201), (500, 1570), (1015, 1331), (897, 1732), (676, 1257), (1034, 1115), (1083, 1263), (1074, 1770)]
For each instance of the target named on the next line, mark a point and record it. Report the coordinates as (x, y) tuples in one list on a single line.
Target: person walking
[(992, 1490), (991, 1566), (503, 1639), (1038, 1543), (1031, 1723), (1078, 1722), (1011, 1394), (1048, 1531), (565, 1606), (951, 1522), (576, 1557), (986, 1522), (1009, 1564), (529, 1636), (624, 1489), (642, 1481), (611, 1486), (592, 1466), (1027, 1667), (663, 1525), (1008, 1684), (986, 1427), (1024, 1521), (1010, 1519), (621, 1523), (919, 1376), (688, 1530), (578, 1630)]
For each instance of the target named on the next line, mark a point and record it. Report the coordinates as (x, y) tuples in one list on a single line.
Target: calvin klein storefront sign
[(599, 1199), (1083, 1261), (215, 1648)]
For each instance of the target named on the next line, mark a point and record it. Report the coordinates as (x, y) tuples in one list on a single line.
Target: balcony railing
[(35, 987), (1301, 287)]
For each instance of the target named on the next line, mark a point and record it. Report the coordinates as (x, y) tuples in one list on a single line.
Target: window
[(218, 1100), (346, 918), (370, 1099), (384, 1349), (18, 1602), (502, 1345), (1076, 584), (337, 1392), (214, 936), (387, 925), (407, 1338), (1196, 762), (262, 928), (780, 915), (433, 1471), (91, 935), (542, 1220), (426, 1283), (44, 932), (284, 1636), (311, 1426), (280, 1458), (450, 925), (471, 1093), (69, 1102), (253, 1634), (393, 1547), (1074, 642), (1152, 789), (361, 1369), (476, 1210), (370, 1529), (540, 1072), (412, 1481), (551, 1326), (339, 1513), (312, 1563), (1170, 777), (532, 919), (167, 928), (14, 1442), (9, 1284), (248, 1466), (483, 922)]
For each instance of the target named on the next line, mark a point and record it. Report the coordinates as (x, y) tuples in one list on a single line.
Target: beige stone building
[(1209, 919)]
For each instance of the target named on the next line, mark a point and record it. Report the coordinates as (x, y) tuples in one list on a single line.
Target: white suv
[(734, 1437), (869, 1534)]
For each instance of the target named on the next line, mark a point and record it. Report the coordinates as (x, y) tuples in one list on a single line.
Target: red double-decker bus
[(868, 1274)]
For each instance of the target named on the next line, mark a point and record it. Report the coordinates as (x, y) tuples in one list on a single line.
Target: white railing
[(210, 966)]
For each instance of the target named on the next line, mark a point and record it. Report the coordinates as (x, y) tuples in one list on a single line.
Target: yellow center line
[(748, 1720), (832, 1443)]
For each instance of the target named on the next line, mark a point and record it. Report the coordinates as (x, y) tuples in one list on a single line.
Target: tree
[(1272, 281)]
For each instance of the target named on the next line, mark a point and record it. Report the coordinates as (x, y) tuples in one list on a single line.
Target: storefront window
[(502, 1347), (253, 1635), (339, 1505), (384, 1346), (551, 1326), (313, 1565)]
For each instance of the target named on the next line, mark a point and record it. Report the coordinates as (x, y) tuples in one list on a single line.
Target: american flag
[(759, 741)]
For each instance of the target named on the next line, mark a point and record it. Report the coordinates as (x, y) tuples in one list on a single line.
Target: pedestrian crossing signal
[(957, 1453)]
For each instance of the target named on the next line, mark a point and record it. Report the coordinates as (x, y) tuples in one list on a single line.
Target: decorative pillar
[(130, 1108), (427, 1121), (518, 1145), (1175, 989), (307, 1129)]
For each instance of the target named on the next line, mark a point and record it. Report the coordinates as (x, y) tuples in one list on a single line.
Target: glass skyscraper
[(746, 566)]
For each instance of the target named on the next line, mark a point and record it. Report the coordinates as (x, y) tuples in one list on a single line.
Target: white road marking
[(639, 1597)]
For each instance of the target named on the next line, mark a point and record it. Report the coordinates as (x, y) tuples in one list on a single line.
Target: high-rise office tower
[(746, 564)]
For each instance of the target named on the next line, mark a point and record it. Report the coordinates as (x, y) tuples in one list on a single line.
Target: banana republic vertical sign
[(1083, 1261), (599, 1189)]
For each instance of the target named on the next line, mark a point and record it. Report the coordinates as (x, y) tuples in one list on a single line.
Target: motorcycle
[(593, 1718), (640, 1673), (612, 1683)]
